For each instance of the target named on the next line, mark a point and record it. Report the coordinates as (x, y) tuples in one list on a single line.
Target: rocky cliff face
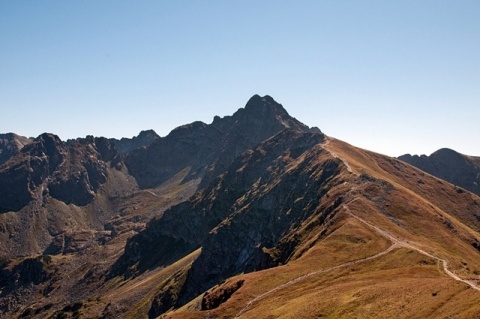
[(447, 164), (70, 172), (265, 212), (209, 149), (31, 271)]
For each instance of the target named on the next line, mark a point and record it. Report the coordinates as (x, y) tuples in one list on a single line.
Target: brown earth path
[(396, 243), (320, 271), (404, 243), (335, 155)]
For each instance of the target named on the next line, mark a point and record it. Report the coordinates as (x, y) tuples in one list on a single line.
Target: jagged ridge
[(209, 149)]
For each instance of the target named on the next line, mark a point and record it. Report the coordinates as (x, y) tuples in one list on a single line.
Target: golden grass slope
[(399, 247)]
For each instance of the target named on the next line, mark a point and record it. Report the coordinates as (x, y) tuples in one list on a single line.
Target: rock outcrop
[(30, 271), (17, 280), (11, 144), (70, 172)]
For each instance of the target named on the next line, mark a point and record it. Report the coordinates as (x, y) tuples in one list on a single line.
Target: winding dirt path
[(395, 240), (396, 243), (325, 147), (301, 278), (404, 243)]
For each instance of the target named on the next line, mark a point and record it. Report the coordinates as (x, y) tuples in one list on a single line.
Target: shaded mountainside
[(81, 183), (80, 198), (252, 216), (209, 149), (382, 228), (458, 169), (243, 220), (71, 172)]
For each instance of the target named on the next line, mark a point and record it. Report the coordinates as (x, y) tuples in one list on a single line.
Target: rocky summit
[(207, 150), (254, 215)]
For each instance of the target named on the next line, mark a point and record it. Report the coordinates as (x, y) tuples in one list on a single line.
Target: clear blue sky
[(390, 76)]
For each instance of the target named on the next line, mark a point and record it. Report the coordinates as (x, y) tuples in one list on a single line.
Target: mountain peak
[(257, 102), (268, 111), (144, 138), (147, 133), (45, 144), (255, 99), (49, 138), (446, 152)]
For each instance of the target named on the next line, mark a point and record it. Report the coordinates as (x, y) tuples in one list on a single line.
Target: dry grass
[(400, 284), (142, 290), (403, 283)]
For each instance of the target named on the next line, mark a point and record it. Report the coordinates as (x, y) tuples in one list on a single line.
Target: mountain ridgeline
[(208, 150), (458, 169), (253, 215)]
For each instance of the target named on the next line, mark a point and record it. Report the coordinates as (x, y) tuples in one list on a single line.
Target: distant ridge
[(125, 145), (456, 168)]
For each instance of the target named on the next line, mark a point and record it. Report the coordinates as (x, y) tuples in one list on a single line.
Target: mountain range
[(253, 215)]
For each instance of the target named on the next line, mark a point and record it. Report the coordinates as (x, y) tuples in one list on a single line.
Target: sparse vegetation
[(4, 261)]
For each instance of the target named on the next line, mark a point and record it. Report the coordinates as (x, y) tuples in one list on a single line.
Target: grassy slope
[(431, 211), (402, 283), (135, 296)]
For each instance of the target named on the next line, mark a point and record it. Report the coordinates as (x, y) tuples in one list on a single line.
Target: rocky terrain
[(207, 150), (253, 215), (458, 169), (11, 144)]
